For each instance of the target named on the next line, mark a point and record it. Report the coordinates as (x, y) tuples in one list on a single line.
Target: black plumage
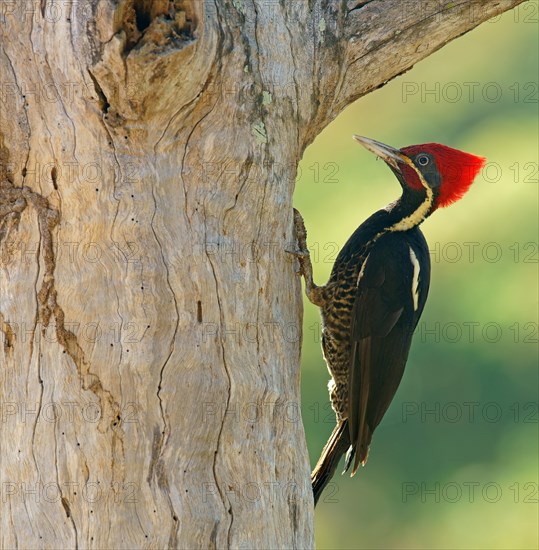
[(374, 298)]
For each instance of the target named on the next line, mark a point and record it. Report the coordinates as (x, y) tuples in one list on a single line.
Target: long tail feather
[(337, 445)]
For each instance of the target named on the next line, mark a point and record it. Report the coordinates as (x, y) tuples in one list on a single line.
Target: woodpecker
[(376, 293)]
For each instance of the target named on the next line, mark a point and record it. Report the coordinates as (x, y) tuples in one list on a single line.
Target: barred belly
[(336, 322)]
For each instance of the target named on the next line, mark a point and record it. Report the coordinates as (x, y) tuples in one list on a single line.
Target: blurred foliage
[(454, 463)]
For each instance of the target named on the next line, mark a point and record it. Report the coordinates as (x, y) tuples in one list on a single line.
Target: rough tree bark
[(150, 315)]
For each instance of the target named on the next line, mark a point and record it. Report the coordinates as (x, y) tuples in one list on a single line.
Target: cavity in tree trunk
[(150, 314)]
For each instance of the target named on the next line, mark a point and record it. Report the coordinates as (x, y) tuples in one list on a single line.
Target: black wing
[(391, 293)]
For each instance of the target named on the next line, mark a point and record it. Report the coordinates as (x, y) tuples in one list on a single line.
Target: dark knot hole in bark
[(143, 16)]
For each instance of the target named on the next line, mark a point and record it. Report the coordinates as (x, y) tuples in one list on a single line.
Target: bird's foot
[(301, 232), (301, 252), (300, 255), (314, 292)]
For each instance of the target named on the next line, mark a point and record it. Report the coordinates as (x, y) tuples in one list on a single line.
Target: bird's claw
[(299, 255)]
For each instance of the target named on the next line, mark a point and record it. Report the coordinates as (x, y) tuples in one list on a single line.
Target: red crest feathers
[(457, 169)]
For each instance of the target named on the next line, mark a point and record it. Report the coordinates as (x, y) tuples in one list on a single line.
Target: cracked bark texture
[(150, 316)]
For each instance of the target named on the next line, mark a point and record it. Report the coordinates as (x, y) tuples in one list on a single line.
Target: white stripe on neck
[(416, 217)]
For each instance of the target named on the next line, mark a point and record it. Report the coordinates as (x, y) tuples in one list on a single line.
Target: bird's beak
[(388, 154)]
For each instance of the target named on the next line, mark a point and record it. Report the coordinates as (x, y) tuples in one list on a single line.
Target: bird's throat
[(411, 213)]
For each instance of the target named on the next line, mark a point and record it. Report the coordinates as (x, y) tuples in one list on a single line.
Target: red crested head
[(431, 176), (452, 170)]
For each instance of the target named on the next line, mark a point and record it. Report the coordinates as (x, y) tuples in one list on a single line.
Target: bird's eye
[(423, 160)]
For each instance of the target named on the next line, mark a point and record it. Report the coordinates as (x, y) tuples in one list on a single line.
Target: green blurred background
[(454, 463)]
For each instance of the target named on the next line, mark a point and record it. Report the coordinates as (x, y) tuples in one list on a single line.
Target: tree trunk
[(151, 317)]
